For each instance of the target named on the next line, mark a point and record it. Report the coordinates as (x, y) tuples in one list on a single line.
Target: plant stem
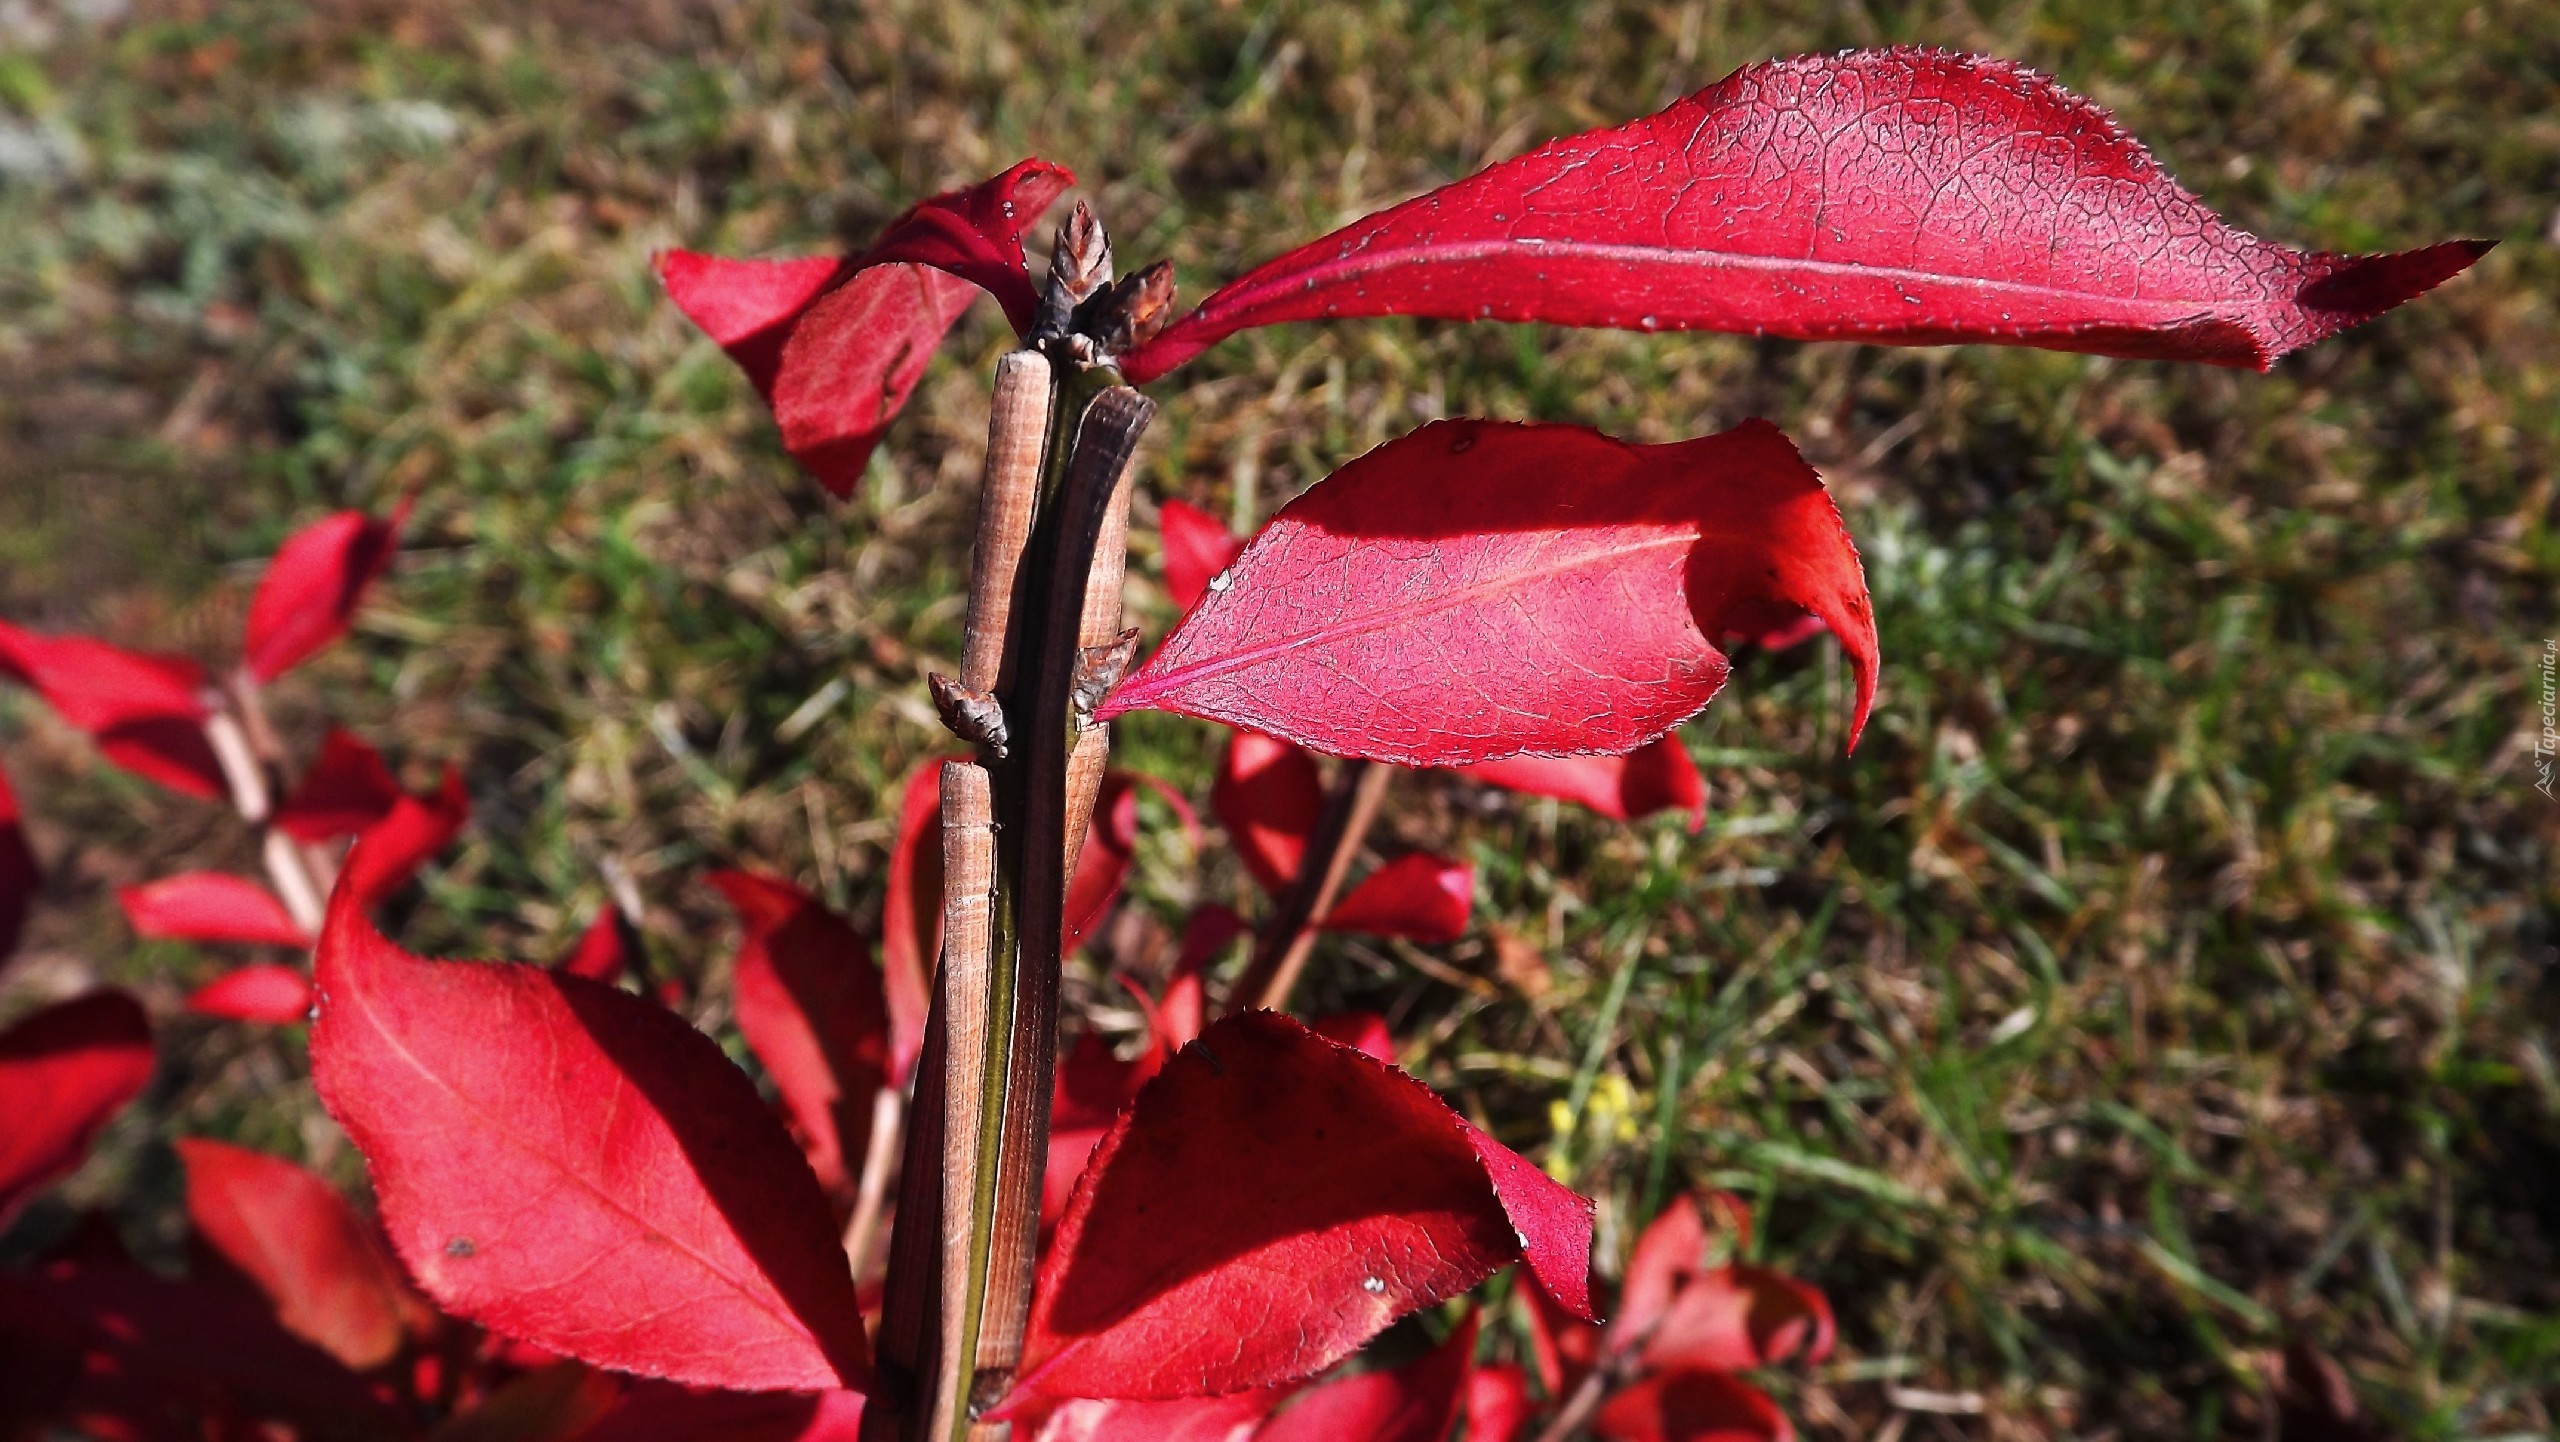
[(1031, 879), (1280, 952)]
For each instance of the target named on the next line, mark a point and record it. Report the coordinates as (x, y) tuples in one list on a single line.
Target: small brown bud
[(1079, 267), (974, 716), (1131, 312), (1098, 670)]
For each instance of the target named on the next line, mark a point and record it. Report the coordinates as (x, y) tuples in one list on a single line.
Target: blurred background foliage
[(2170, 973)]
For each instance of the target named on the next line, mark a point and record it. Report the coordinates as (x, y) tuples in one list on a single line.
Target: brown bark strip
[(1035, 849), (1008, 495), (1098, 624), (968, 889), (1280, 953)]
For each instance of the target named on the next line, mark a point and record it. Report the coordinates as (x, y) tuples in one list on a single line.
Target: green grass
[(2169, 973)]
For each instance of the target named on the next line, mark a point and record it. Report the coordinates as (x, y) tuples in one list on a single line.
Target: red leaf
[(65, 1072), (293, 1235), (1897, 196), (747, 307), (347, 790), (1268, 796), (159, 1359), (312, 588), (1417, 1402), (852, 361), (1232, 1418), (1206, 935), (1498, 1408), (1657, 776), (1735, 1318), (573, 1165), (809, 1003), (1691, 1407), (146, 711), (1299, 1193), (1669, 1255), (1094, 1085), (210, 906), (661, 1412), (837, 346), (1424, 897), (1564, 1346), (277, 995), (391, 850), (1197, 546), (1678, 1312), (975, 233), (1479, 589), (911, 916), (21, 878), (1362, 1031), (609, 950)]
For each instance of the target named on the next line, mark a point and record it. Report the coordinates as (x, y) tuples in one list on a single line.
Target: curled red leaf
[(312, 588), (1268, 795), (1657, 776), (1303, 1195), (608, 950), (1417, 1402), (1419, 896), (1197, 546), (285, 1229), (1478, 590), (276, 995), (146, 711), (1901, 196), (975, 233), (65, 1072), (809, 1003), (1738, 1317), (210, 906), (569, 1164), (347, 790), (852, 361), (21, 877), (391, 850), (836, 346)]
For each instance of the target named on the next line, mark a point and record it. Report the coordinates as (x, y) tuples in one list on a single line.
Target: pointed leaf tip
[(574, 1166), (309, 596), (210, 906), (275, 995)]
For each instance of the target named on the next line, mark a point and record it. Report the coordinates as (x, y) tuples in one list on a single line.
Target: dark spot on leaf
[(459, 1247)]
